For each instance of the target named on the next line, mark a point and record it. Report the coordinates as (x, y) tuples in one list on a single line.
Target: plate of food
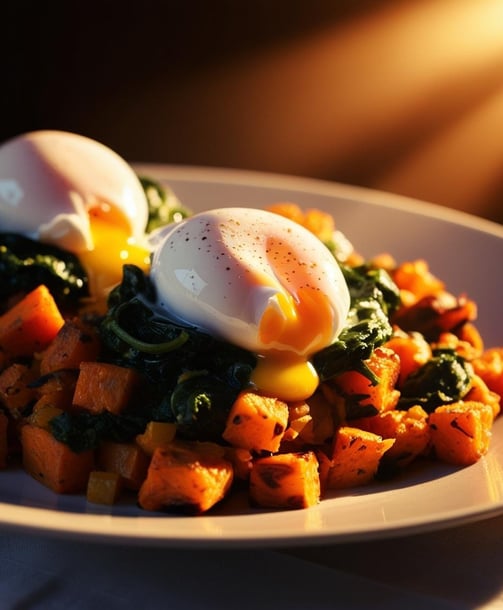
[(210, 357)]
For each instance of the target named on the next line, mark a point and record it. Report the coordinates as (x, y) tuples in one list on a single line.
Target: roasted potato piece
[(186, 477), (285, 480), (355, 458), (460, 432), (256, 422)]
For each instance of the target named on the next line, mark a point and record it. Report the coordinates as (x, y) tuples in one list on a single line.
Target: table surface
[(457, 568)]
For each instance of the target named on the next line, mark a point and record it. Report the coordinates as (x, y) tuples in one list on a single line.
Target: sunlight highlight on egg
[(259, 281), (73, 192)]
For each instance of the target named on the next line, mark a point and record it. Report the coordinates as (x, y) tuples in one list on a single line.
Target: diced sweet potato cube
[(356, 456), (298, 418), (409, 428), (241, 460), (385, 364), (156, 434), (324, 466), (187, 477), (42, 415), (126, 459), (470, 334), (490, 368), (320, 426), (290, 210), (320, 223), (285, 480), (317, 221), (480, 392), (31, 324), (461, 432), (104, 387), (57, 389), (256, 422), (450, 340), (413, 351), (74, 343), (416, 278), (15, 393), (103, 487), (53, 463), (436, 314)]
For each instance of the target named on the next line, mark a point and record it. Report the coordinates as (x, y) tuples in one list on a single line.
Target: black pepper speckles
[(225, 264)]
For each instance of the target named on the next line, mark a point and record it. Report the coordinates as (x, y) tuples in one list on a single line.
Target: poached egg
[(259, 281), (70, 191)]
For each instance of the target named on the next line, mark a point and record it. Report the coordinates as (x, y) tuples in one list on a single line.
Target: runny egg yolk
[(303, 324), (113, 247), (259, 281)]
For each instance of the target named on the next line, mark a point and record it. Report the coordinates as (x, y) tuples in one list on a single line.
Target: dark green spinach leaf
[(444, 379), (26, 263), (374, 297)]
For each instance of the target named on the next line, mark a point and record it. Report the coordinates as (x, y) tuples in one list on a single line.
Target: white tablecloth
[(459, 568)]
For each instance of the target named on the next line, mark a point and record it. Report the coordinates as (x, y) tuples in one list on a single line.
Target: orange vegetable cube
[(409, 429), (31, 324), (125, 459), (256, 422), (42, 415), (188, 477), (413, 351), (156, 434), (285, 480), (416, 278), (57, 390), (53, 463), (15, 393), (104, 387), (324, 466), (355, 458), (287, 209), (480, 392), (490, 368), (103, 487), (470, 334), (298, 418), (450, 340), (241, 460), (385, 364), (320, 426), (320, 223), (460, 432), (74, 343), (317, 221)]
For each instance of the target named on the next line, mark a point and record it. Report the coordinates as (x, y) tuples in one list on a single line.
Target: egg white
[(217, 271), (50, 179)]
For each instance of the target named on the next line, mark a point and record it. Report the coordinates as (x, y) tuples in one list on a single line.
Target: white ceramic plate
[(465, 251)]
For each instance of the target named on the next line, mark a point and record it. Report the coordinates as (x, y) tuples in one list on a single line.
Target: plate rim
[(371, 196)]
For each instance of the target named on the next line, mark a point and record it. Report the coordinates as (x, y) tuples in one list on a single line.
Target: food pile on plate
[(153, 355)]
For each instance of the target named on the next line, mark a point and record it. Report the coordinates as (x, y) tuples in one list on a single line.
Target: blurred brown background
[(404, 96)]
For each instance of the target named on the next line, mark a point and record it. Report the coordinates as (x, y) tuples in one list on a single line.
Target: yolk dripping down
[(113, 246), (302, 325)]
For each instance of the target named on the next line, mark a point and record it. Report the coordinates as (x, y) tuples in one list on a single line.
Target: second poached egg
[(70, 191)]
